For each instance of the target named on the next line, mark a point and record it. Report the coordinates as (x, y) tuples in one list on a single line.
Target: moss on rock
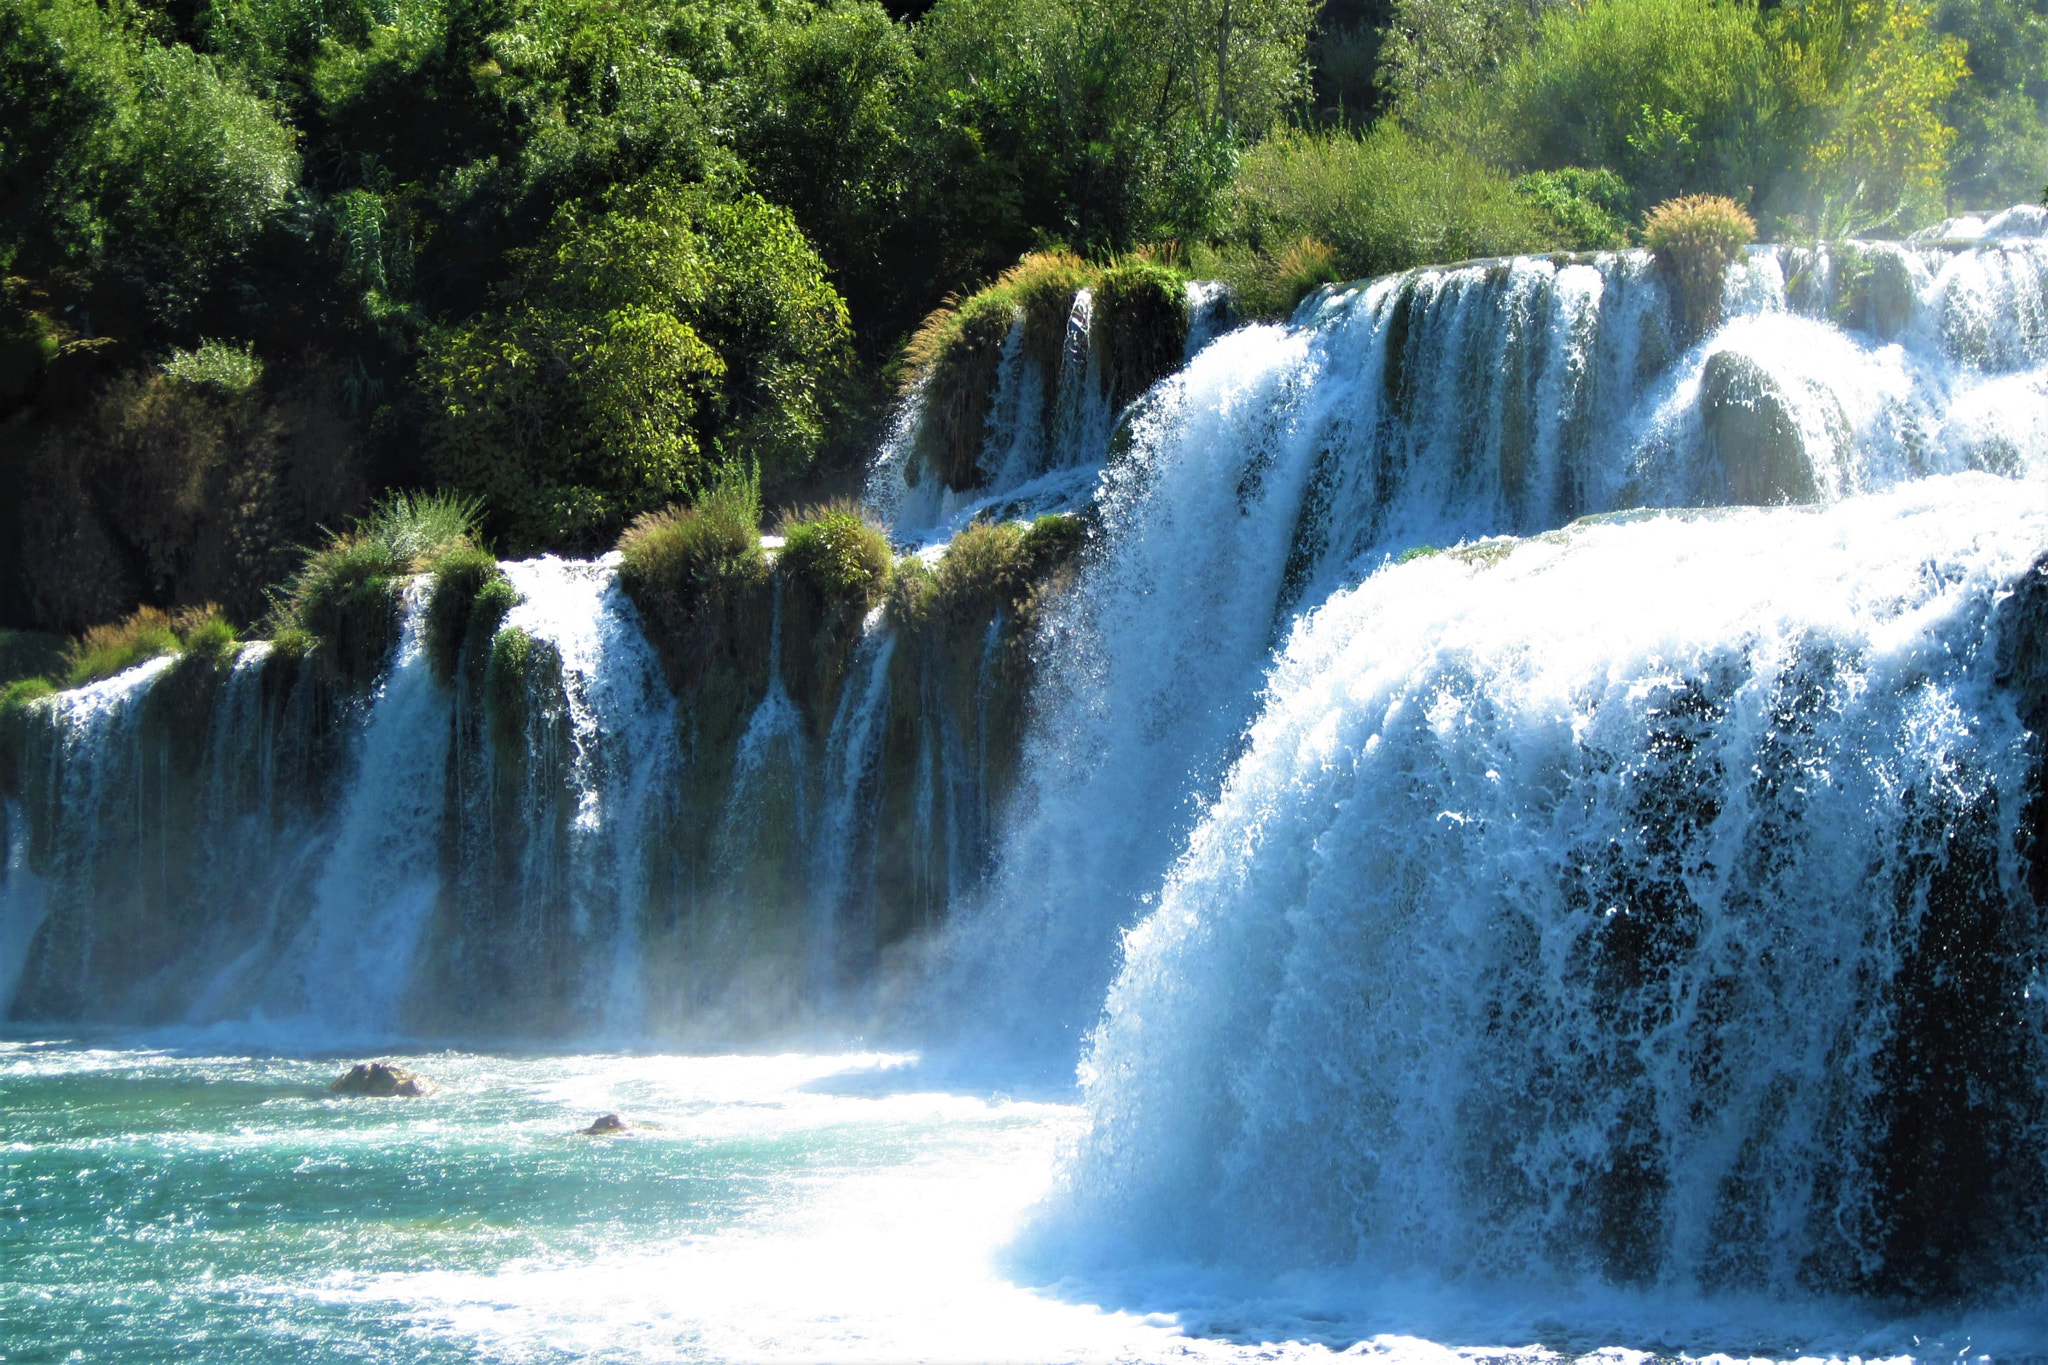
[(1140, 327), (697, 574), (1752, 432), (470, 597)]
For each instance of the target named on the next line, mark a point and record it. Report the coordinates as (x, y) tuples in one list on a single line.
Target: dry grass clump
[(146, 634), (1696, 238)]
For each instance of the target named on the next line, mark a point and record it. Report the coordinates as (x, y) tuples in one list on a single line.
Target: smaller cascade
[(1044, 427), (79, 769), (842, 863), (373, 901)]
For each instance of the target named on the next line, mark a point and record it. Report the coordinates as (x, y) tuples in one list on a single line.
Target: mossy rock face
[(1873, 290), (1752, 432), (355, 619), (2021, 626), (959, 386), (1139, 329), (470, 596), (832, 571)]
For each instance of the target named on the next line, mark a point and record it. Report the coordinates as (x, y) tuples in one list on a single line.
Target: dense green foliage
[(264, 261), (836, 555)]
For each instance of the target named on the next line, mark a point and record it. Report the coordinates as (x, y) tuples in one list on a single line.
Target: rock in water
[(1751, 428), (607, 1125), (381, 1080), (2023, 644)]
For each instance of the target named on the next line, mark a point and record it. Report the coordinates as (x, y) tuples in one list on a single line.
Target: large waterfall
[(1544, 797)]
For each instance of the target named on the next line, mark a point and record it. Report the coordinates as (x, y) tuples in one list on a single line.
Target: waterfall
[(1437, 408), (944, 825), (1643, 901), (353, 961)]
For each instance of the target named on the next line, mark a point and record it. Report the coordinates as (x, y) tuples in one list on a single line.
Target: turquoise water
[(163, 1204)]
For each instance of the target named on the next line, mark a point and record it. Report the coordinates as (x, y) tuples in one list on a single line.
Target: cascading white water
[(1570, 908), (1430, 409), (623, 764), (93, 790), (1048, 436), (352, 962)]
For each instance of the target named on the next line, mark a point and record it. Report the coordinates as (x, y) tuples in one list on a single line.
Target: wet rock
[(607, 1125), (1752, 432), (382, 1080), (2022, 627)]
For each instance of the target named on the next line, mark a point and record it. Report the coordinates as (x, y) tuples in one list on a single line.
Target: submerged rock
[(1752, 431), (607, 1125), (382, 1080)]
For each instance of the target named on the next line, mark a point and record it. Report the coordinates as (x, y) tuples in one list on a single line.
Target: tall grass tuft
[(149, 633), (1695, 239), (346, 595), (684, 566)]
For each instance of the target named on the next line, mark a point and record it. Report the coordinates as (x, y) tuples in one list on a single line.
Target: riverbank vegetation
[(264, 263)]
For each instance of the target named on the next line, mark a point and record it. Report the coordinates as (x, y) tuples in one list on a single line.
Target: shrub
[(989, 566), (215, 365), (1695, 240), (838, 556), (1589, 208), (209, 636), (1663, 92), (1140, 327), (1269, 287), (104, 651), (683, 566), (470, 597), (669, 330), (1382, 202)]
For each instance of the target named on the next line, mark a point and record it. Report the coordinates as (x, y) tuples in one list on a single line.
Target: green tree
[(1122, 119), (669, 335), (142, 171)]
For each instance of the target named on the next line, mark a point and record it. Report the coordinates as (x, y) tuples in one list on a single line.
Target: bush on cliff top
[(1695, 239), (990, 566), (346, 595), (681, 564), (837, 555)]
